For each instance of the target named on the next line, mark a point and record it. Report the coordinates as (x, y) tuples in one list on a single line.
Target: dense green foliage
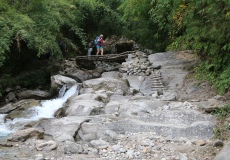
[(201, 26), (140, 25), (40, 25), (219, 79), (100, 17), (37, 24), (31, 28), (33, 80), (221, 130), (204, 29), (222, 112)]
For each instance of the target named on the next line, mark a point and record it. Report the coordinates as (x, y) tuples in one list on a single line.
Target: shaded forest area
[(32, 31)]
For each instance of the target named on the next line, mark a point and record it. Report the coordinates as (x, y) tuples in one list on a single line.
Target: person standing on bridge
[(100, 41), (90, 48)]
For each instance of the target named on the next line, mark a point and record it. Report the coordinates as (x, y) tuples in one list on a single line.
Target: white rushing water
[(45, 110)]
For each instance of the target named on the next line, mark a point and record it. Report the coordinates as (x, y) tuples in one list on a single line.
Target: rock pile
[(149, 146), (137, 64), (13, 95)]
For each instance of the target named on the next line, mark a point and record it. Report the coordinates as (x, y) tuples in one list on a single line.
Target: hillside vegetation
[(31, 30)]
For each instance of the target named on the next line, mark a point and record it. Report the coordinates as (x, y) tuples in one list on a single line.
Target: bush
[(222, 112), (219, 79), (222, 128), (31, 80)]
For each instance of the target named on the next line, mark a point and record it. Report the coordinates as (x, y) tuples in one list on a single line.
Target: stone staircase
[(157, 87)]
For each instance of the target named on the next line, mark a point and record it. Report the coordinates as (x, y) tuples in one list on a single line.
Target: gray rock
[(112, 107), (39, 157), (63, 129), (99, 144), (116, 147), (168, 96), (72, 148), (8, 108), (112, 135), (8, 89), (122, 150), (88, 137), (78, 74), (46, 146), (218, 143), (112, 74), (224, 154), (11, 97), (130, 153), (36, 94), (84, 108), (182, 156), (15, 110), (108, 84), (23, 135), (57, 81), (188, 124)]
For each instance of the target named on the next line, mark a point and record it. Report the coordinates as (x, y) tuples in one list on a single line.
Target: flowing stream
[(46, 109)]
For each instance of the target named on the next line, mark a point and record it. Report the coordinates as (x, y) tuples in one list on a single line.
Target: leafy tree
[(98, 17), (141, 26), (201, 26), (38, 28), (30, 28), (37, 25), (205, 30)]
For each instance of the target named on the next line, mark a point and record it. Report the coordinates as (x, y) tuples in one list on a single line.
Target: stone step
[(157, 87), (159, 78), (157, 82), (154, 84)]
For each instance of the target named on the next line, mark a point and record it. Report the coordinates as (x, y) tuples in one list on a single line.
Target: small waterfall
[(45, 110), (3, 128), (62, 91)]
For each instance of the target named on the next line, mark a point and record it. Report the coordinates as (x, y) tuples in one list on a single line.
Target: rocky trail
[(148, 110)]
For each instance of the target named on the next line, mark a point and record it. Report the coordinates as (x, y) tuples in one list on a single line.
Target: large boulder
[(27, 103), (36, 94), (224, 153), (109, 84), (142, 84), (84, 108), (174, 124), (63, 129), (57, 81), (133, 106), (111, 74), (23, 135), (46, 145), (10, 97), (78, 74), (72, 148), (98, 96)]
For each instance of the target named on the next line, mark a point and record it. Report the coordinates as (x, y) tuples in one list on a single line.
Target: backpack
[(95, 41)]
